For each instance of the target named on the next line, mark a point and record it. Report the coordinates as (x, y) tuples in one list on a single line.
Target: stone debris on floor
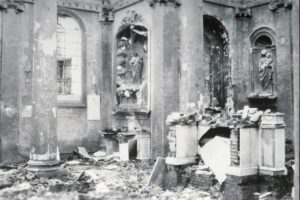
[(81, 179)]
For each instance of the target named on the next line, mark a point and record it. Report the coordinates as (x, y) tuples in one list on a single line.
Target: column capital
[(106, 15), (243, 12), (6, 4), (275, 5), (152, 3)]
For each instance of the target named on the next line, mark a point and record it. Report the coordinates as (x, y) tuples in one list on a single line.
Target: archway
[(217, 61)]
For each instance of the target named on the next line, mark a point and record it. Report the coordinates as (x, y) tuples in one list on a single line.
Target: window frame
[(64, 100)]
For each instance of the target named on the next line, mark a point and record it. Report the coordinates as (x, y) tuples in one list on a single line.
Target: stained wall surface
[(177, 67)]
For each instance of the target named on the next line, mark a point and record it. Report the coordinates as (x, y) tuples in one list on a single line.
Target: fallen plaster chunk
[(102, 188), (203, 167), (216, 155), (100, 154), (265, 196), (73, 162), (202, 172), (82, 152)]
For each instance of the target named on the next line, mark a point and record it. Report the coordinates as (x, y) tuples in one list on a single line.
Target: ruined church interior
[(149, 99)]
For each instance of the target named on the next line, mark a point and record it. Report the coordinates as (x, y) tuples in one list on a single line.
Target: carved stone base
[(180, 161), (272, 171), (44, 168), (240, 171)]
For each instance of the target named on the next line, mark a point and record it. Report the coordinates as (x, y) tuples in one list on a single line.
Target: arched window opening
[(216, 43), (69, 59)]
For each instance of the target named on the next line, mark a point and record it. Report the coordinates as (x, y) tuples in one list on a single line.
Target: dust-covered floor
[(82, 179)]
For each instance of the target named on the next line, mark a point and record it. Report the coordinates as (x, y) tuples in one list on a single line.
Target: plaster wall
[(162, 22), (73, 128), (240, 31), (280, 22), (165, 25)]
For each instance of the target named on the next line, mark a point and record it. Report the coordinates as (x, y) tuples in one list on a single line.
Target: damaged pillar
[(44, 155), (164, 73), (192, 82)]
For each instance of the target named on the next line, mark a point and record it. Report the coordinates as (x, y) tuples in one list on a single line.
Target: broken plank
[(158, 172)]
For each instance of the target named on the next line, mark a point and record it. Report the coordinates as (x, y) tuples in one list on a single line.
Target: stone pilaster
[(44, 155), (164, 75), (10, 45), (296, 45), (192, 79), (106, 18)]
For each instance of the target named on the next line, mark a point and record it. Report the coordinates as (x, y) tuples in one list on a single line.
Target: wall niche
[(263, 93), (131, 66), (263, 63)]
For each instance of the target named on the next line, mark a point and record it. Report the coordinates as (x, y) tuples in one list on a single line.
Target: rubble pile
[(223, 140), (245, 118), (90, 177), (202, 178)]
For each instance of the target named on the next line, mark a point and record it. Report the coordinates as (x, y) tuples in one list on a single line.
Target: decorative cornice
[(165, 2), (124, 4), (232, 4), (131, 18), (277, 4), (243, 12), (224, 3), (106, 15), (17, 5), (96, 8)]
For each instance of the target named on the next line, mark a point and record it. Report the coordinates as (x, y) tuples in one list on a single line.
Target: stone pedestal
[(127, 143), (186, 146), (44, 155), (111, 143), (143, 145), (242, 188), (247, 153), (272, 145)]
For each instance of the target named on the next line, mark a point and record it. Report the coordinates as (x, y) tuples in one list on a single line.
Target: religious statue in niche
[(131, 66), (265, 71)]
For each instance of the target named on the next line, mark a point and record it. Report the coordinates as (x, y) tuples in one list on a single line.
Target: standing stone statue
[(265, 71), (136, 63)]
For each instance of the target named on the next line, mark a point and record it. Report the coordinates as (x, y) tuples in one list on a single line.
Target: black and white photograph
[(149, 99)]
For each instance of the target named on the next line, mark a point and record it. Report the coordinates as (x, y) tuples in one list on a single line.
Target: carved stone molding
[(165, 2), (106, 15), (274, 5), (82, 6), (17, 5), (243, 12), (119, 5), (131, 18)]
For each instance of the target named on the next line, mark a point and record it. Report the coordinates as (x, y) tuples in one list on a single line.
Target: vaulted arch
[(217, 61)]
